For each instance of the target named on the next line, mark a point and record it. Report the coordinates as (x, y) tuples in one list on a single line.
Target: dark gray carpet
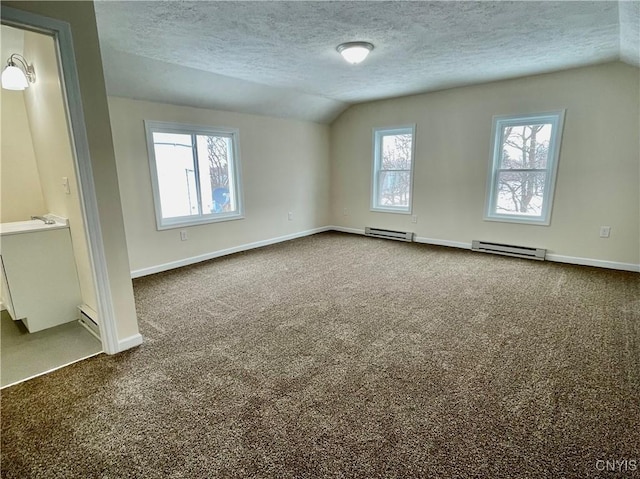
[(342, 356)]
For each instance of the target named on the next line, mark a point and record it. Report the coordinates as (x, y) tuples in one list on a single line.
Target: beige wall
[(81, 17), (54, 157), (597, 182), (285, 168), (20, 189)]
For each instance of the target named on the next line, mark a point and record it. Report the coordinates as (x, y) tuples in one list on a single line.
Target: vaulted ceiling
[(279, 58)]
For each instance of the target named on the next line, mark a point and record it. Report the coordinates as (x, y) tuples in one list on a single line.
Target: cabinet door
[(5, 295), (42, 277)]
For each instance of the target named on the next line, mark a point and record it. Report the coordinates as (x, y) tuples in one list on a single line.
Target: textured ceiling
[(279, 58)]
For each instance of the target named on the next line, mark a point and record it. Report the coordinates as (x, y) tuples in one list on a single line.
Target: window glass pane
[(396, 152), (520, 193), (394, 188), (216, 182), (176, 176), (525, 146)]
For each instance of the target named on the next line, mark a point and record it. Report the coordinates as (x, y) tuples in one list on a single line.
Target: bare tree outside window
[(395, 174), (218, 156), (521, 180)]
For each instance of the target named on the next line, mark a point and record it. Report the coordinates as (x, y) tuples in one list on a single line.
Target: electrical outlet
[(290, 216), (605, 231), (345, 212), (183, 235), (414, 218)]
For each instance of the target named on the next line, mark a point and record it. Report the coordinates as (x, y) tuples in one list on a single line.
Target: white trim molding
[(598, 263), (130, 342), (223, 252)]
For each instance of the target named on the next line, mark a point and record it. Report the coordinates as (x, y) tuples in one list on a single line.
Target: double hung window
[(524, 162), (393, 152)]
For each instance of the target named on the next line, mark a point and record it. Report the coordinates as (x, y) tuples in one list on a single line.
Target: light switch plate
[(65, 185)]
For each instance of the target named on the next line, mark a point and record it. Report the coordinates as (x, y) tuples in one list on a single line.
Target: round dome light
[(354, 52)]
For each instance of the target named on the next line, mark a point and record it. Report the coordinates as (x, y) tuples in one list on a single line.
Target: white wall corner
[(223, 252)]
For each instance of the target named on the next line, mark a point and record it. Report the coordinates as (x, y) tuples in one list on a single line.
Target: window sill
[(391, 210), (182, 223), (523, 220)]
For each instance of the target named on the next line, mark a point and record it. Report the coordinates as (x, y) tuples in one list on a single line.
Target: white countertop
[(18, 227)]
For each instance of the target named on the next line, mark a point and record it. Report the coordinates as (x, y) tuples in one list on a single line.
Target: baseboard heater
[(509, 250), (86, 317), (389, 234)]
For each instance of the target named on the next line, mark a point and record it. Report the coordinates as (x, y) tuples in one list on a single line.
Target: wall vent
[(389, 234), (509, 250)]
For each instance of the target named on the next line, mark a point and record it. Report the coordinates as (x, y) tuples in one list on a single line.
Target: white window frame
[(378, 134), (556, 119), (181, 128)]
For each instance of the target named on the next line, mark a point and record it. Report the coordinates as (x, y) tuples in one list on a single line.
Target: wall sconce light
[(16, 78), (354, 52)]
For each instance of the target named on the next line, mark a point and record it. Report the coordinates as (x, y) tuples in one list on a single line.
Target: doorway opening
[(52, 107)]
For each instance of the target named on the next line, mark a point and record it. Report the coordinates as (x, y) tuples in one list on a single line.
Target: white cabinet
[(40, 277)]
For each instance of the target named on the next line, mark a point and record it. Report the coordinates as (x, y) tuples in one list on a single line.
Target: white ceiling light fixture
[(16, 78), (354, 52)]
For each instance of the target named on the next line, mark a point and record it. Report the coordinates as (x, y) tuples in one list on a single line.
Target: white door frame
[(61, 33)]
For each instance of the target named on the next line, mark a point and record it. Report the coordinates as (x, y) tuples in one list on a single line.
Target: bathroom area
[(48, 298)]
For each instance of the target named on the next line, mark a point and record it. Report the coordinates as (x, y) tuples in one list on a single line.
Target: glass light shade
[(14, 79), (355, 52)]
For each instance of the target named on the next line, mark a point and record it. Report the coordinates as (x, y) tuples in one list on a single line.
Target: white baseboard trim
[(599, 263), (550, 257), (223, 252), (439, 242), (344, 229), (418, 239), (130, 342)]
